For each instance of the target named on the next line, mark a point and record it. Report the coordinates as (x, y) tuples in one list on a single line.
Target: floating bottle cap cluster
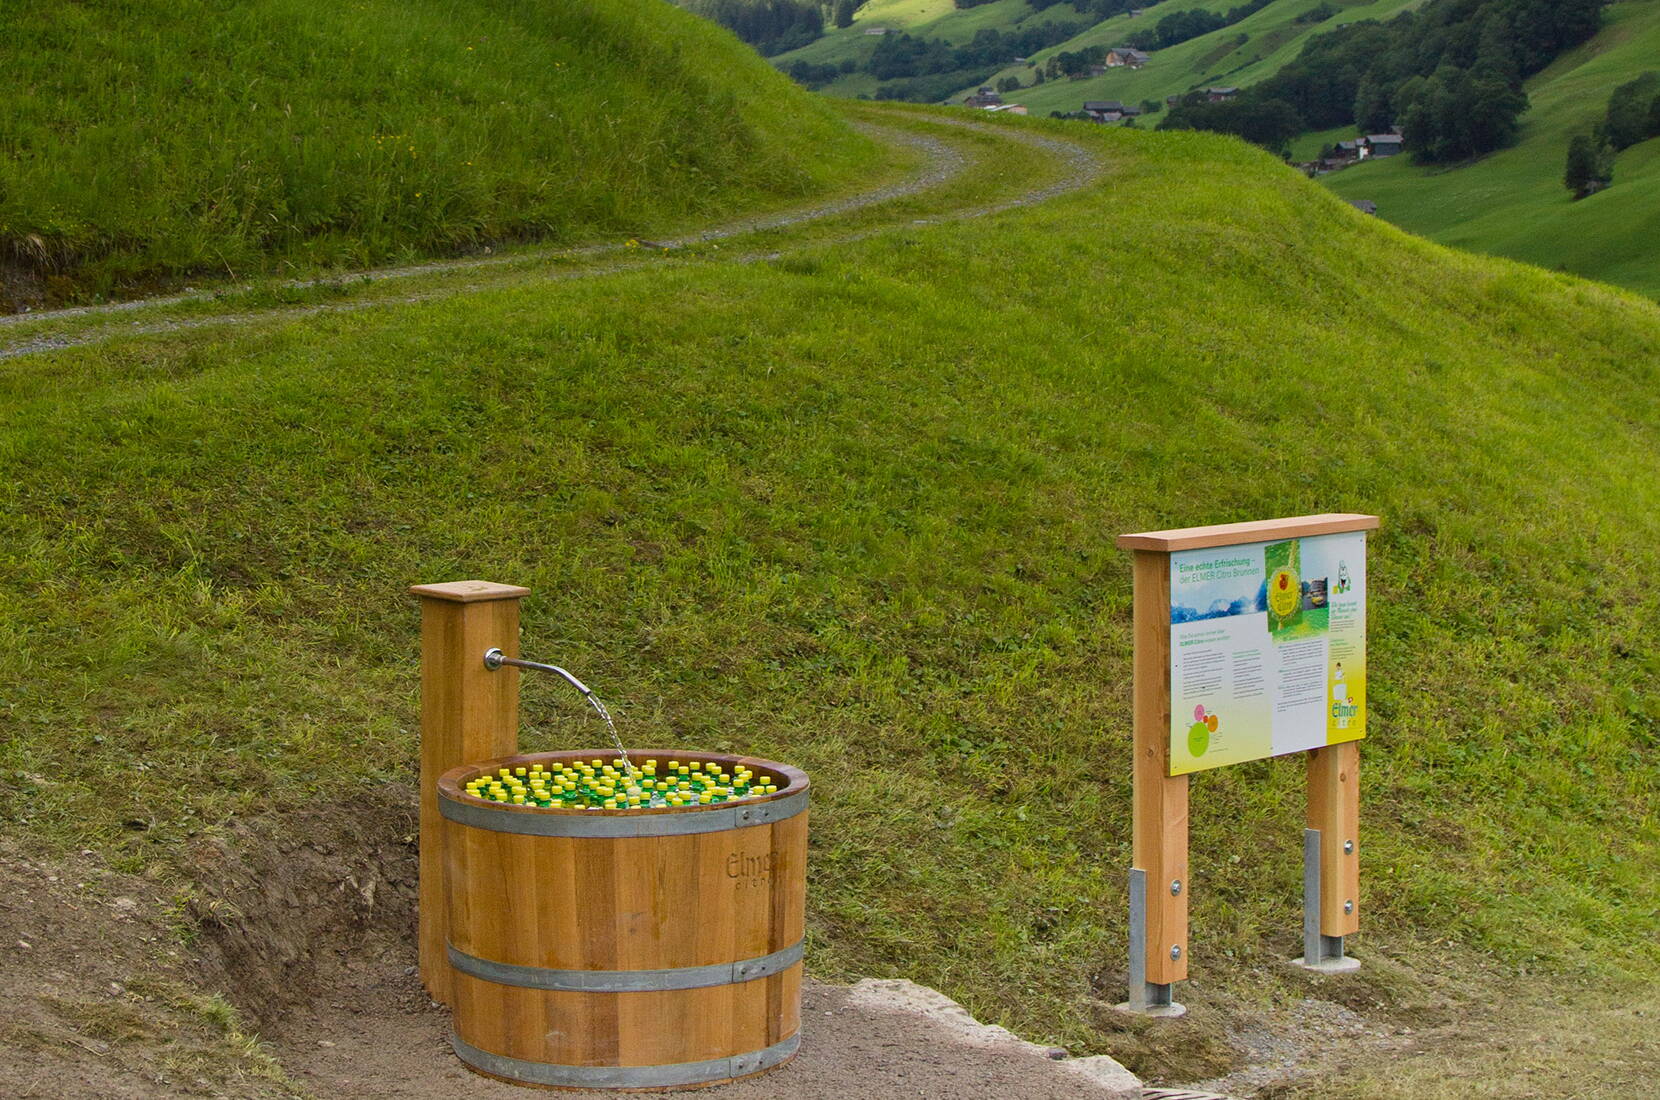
[(617, 784)]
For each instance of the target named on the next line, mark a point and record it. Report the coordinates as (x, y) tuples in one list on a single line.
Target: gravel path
[(943, 163)]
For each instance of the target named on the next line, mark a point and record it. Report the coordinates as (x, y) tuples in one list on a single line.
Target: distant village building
[(1125, 57), (1220, 95), (1381, 145), (1007, 108), (987, 96), (1108, 110), (1365, 206), (876, 30)]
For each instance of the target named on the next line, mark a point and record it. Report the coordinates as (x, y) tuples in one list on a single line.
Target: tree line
[(1100, 9), (771, 26), (1449, 75), (1179, 26), (926, 70), (1632, 115)]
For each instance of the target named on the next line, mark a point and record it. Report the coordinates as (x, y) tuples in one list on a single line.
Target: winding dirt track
[(942, 163)]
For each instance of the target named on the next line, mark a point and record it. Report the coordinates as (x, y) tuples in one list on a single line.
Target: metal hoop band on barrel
[(626, 981), (625, 1077), (675, 823)]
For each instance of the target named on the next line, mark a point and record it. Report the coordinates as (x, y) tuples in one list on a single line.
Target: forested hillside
[(1237, 54), (1518, 202), (1051, 52), (1449, 75)]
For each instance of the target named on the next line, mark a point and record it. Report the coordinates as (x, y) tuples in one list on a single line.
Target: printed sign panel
[(1267, 649)]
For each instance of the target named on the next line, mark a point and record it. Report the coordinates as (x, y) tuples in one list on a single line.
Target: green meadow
[(850, 503), (148, 145), (1512, 203), (922, 18), (1272, 37)]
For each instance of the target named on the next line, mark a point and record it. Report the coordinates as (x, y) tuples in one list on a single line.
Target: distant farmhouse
[(1108, 110), (988, 99), (1124, 57), (1220, 95), (1365, 206), (876, 30), (1346, 153), (1380, 145)]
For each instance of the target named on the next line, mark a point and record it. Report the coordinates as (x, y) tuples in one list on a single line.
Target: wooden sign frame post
[(1159, 885), (468, 714)]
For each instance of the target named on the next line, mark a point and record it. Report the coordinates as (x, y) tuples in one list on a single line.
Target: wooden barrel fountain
[(637, 948)]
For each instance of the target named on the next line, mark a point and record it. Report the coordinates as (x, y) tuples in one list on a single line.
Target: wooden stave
[(759, 1014)]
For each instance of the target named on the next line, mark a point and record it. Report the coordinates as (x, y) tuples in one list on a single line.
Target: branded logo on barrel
[(750, 870)]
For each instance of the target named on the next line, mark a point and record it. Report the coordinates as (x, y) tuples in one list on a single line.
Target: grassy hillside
[(1512, 203), (1272, 38), (144, 142), (853, 507), (924, 18)]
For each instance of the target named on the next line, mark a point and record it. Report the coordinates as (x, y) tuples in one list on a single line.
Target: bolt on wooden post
[(468, 714), (1250, 642)]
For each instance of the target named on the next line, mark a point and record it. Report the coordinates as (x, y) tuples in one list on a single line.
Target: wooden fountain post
[(468, 714)]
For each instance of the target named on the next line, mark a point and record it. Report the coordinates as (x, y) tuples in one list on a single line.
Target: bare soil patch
[(100, 992), (300, 926), (305, 923)]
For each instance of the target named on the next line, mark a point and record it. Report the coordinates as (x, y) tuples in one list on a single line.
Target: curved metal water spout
[(495, 658)]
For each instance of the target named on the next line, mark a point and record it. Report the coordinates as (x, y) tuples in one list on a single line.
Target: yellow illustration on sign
[(1284, 593)]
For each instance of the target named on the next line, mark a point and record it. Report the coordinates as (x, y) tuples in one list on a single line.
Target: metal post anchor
[(1146, 998), (1321, 953)]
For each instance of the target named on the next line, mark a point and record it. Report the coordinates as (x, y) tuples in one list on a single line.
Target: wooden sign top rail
[(1229, 534)]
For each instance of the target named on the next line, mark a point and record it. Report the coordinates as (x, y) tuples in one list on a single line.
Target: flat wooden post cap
[(470, 591)]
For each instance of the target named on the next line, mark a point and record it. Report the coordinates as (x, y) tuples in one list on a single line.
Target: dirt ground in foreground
[(278, 960), (304, 924)]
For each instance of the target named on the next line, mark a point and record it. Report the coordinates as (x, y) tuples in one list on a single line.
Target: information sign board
[(1267, 649)]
